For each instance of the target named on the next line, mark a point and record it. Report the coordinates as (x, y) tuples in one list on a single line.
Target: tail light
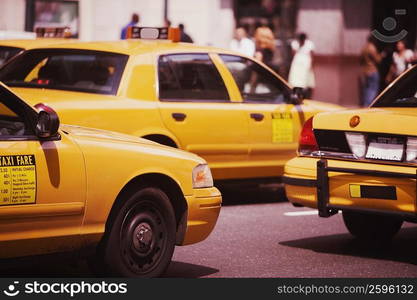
[(307, 142), (411, 149), (357, 144)]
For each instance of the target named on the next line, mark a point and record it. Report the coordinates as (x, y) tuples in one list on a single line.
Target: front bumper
[(332, 185), (203, 210)]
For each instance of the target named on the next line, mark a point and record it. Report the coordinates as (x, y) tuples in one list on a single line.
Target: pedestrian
[(133, 22), (301, 70), (401, 61), (384, 66), (184, 37), (241, 43), (265, 45), (369, 79)]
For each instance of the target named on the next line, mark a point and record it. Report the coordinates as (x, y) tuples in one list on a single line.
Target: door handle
[(257, 117), (179, 116)]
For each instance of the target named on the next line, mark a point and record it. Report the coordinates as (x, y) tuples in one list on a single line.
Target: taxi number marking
[(282, 127), (17, 179)]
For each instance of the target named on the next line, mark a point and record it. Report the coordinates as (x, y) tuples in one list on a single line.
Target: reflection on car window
[(10, 123), (402, 94), (255, 82), (74, 70), (190, 77), (7, 53)]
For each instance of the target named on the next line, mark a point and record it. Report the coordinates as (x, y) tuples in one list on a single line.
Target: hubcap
[(143, 238)]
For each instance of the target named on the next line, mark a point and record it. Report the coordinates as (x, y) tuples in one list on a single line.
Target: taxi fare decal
[(282, 127), (17, 179)]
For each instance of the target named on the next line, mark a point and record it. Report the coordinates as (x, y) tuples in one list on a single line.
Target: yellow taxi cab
[(230, 109), (73, 189), (45, 37), (361, 162)]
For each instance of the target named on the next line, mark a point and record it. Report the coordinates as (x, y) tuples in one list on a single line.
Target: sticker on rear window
[(282, 127), (17, 179)]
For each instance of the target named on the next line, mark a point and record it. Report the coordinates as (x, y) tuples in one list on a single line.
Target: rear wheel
[(141, 241), (371, 227)]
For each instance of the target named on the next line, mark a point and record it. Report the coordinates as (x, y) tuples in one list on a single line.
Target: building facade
[(338, 28)]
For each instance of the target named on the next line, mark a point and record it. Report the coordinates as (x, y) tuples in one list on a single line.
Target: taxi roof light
[(307, 142), (53, 32), (154, 33)]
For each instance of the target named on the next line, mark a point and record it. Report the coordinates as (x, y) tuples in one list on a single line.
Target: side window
[(11, 124), (256, 84), (190, 77)]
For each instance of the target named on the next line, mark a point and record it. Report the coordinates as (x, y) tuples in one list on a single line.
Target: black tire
[(141, 240), (371, 227)]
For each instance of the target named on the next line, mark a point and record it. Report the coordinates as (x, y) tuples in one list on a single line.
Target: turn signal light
[(307, 142)]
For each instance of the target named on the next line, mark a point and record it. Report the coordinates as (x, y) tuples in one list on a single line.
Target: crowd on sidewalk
[(380, 63)]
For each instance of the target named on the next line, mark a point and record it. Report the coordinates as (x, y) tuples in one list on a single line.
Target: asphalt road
[(257, 237)]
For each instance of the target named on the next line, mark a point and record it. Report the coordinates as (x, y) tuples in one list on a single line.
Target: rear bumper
[(203, 210), (331, 185)]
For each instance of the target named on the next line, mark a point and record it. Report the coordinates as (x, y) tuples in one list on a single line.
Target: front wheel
[(141, 241), (371, 227)]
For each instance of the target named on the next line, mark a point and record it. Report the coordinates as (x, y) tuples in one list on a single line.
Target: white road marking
[(301, 213)]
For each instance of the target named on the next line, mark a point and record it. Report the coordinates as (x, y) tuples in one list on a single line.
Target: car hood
[(80, 132), (83, 136), (387, 120)]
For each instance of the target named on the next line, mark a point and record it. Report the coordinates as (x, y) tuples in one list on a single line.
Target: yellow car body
[(361, 162), (65, 192), (239, 136)]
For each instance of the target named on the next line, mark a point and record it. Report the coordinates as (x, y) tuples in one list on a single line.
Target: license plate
[(386, 149), (373, 192)]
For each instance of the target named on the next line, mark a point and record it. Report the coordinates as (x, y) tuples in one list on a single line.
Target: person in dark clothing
[(133, 22), (185, 38)]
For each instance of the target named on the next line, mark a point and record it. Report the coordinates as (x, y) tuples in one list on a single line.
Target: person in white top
[(401, 61), (242, 44), (301, 70)]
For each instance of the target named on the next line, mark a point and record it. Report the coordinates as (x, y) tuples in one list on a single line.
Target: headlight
[(202, 177)]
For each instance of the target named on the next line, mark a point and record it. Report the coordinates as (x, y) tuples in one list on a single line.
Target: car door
[(274, 124), (196, 106), (42, 186)]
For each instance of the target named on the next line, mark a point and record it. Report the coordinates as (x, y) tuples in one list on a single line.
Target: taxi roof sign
[(53, 32), (154, 33)]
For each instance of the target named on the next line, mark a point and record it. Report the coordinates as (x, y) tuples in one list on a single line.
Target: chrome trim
[(350, 157)]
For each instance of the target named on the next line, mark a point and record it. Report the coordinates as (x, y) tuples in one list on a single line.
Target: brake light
[(411, 149), (42, 81), (357, 144), (307, 142)]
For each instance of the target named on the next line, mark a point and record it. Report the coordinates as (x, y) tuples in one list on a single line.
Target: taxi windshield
[(7, 53), (402, 93), (66, 69)]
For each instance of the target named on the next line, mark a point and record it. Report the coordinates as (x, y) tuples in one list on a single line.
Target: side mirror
[(297, 95), (47, 124)]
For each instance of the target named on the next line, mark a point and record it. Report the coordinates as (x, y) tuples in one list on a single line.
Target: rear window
[(402, 94), (7, 53), (66, 69)]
